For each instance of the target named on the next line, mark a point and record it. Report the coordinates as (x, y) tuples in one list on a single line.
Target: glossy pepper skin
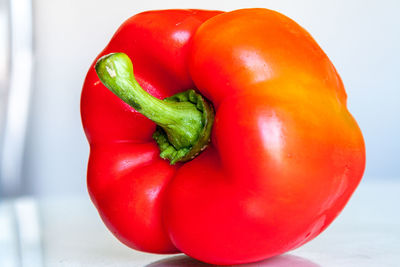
[(285, 153)]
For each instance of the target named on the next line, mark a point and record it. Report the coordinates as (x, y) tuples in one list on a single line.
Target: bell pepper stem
[(184, 119)]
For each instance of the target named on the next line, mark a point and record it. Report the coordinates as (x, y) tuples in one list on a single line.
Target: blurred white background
[(362, 39)]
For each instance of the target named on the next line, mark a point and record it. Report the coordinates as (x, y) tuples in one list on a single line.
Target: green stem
[(185, 119)]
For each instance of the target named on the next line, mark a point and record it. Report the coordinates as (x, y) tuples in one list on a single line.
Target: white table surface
[(69, 232)]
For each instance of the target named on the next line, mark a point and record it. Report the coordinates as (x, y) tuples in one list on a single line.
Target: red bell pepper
[(285, 154)]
